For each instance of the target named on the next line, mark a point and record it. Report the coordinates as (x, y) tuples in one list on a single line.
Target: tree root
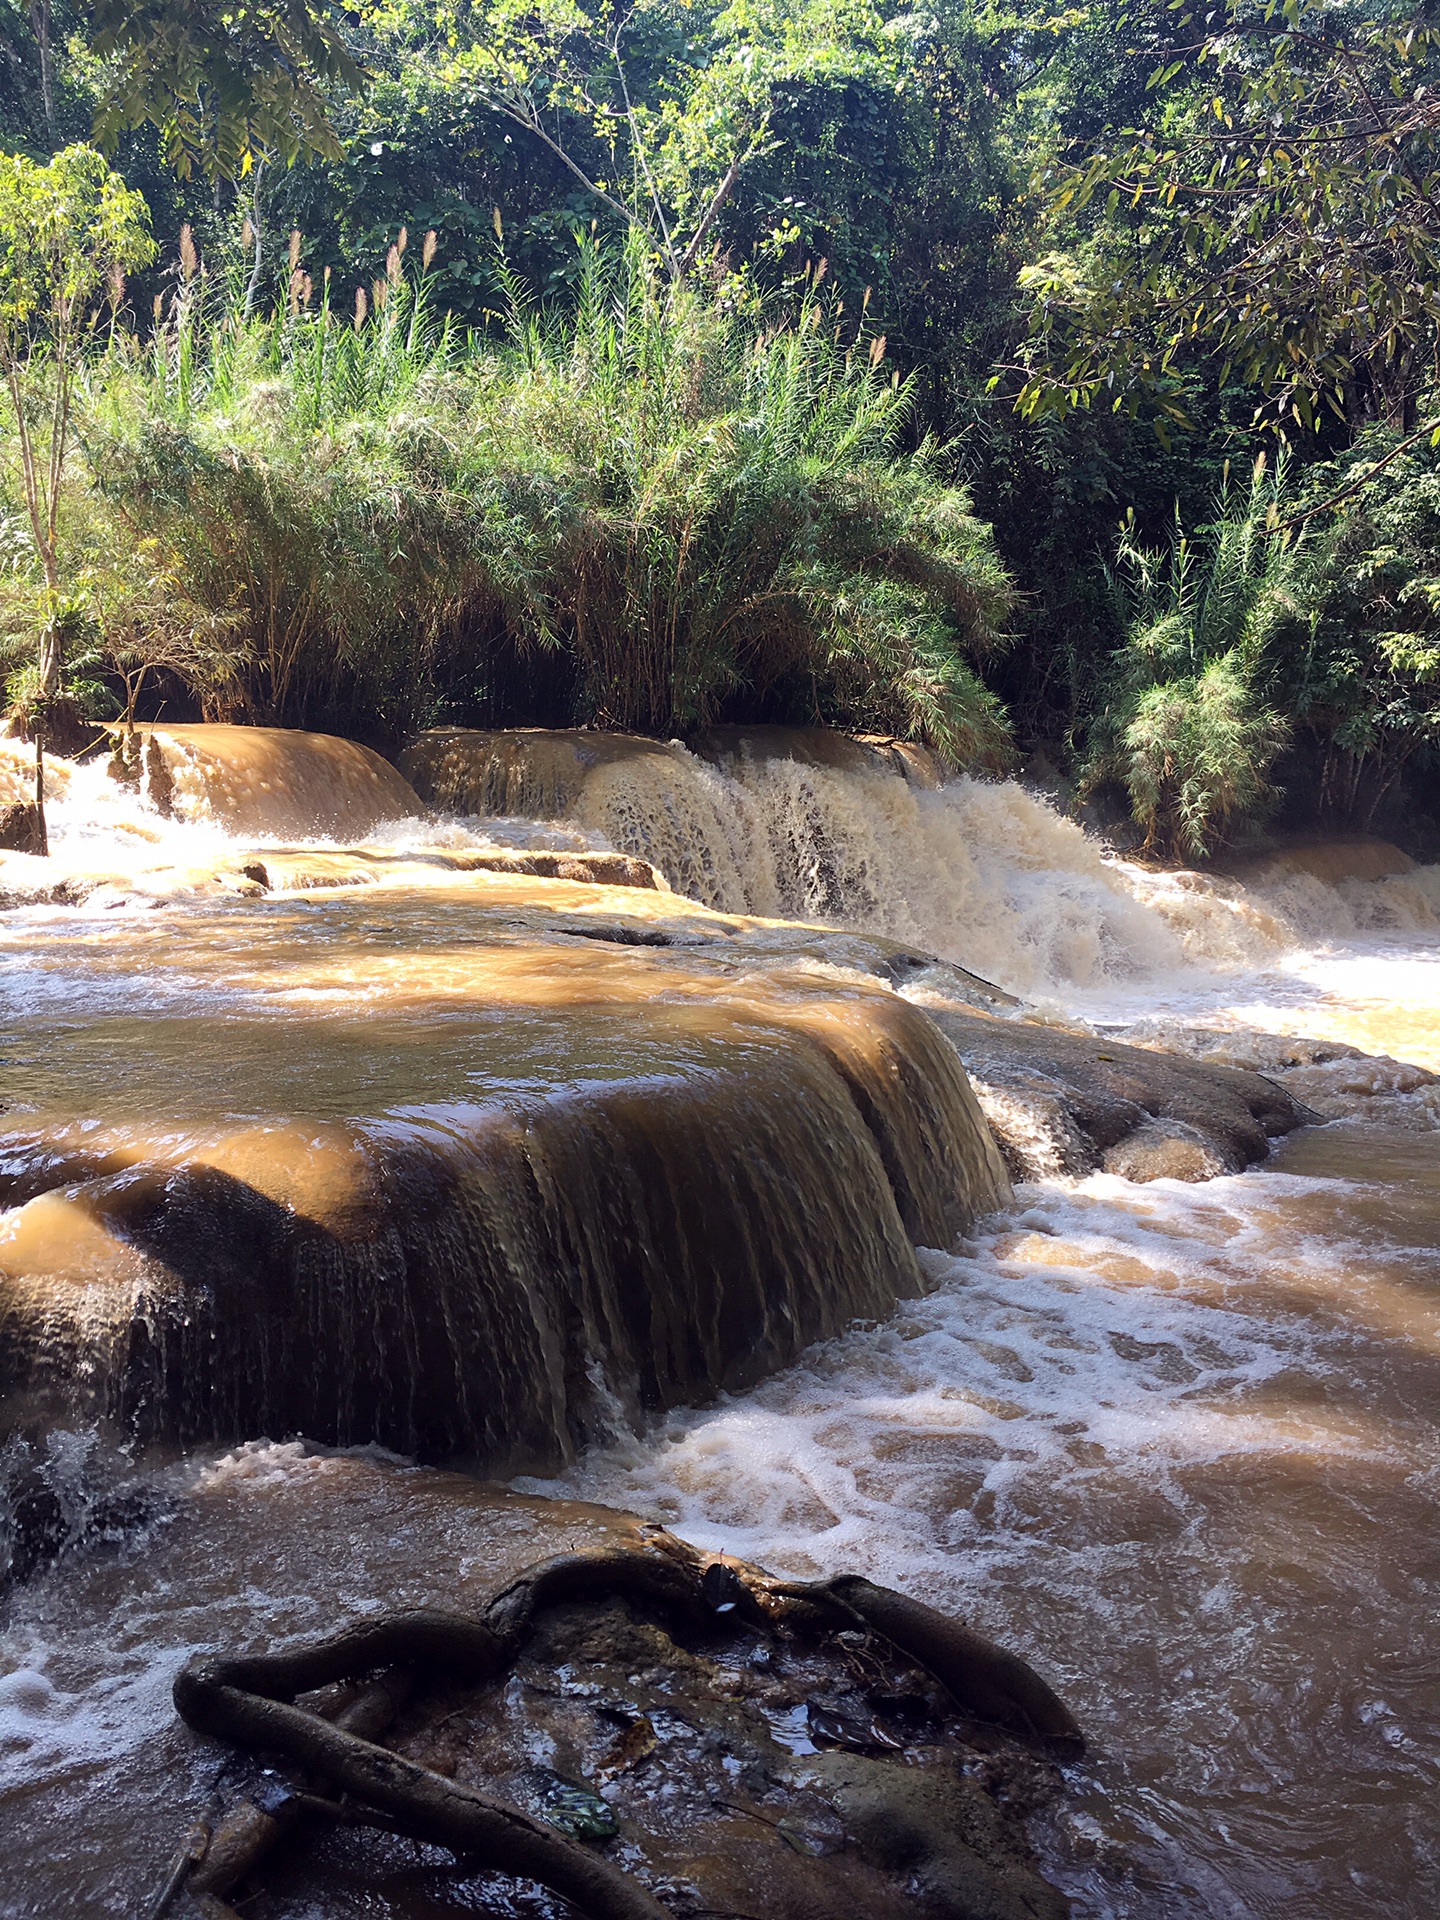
[(250, 1830), (983, 1678), (424, 1805), (249, 1700)]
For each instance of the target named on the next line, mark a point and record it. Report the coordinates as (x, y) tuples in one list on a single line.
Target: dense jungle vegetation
[(1039, 384)]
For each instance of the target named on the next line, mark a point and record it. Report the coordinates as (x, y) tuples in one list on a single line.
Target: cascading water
[(987, 874), (1181, 1438), (1175, 1442)]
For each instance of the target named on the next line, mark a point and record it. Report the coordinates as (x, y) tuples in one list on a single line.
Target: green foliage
[(67, 228), (1184, 726), (655, 109), (727, 509), (222, 82), (1275, 207), (70, 230), (1365, 689), (680, 502), (455, 483)]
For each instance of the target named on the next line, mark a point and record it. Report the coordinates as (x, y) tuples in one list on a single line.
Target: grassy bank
[(650, 510)]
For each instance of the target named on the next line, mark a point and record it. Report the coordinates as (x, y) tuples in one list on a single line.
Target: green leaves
[(662, 497), (1280, 210), (67, 228), (1184, 724), (657, 109), (224, 82)]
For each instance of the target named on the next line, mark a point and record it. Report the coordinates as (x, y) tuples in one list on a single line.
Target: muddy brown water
[(1175, 1444), (1180, 1448)]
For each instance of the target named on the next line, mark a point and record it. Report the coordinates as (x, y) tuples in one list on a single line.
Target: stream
[(1177, 1443)]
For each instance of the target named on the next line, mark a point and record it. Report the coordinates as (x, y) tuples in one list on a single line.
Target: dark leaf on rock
[(629, 1748), (721, 1587), (574, 1809)]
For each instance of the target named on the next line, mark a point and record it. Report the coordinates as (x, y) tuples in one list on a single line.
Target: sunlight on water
[(1177, 1444)]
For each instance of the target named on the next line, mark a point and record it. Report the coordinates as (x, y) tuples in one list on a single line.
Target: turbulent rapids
[(843, 1164)]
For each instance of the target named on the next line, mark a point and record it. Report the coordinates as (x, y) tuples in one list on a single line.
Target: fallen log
[(252, 1828)]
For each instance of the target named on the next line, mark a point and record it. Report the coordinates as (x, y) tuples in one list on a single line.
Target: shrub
[(688, 504), (1184, 723)]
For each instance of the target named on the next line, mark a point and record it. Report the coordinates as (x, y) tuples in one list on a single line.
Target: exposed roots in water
[(347, 1777)]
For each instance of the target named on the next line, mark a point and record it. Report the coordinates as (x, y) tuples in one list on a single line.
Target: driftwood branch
[(251, 1830)]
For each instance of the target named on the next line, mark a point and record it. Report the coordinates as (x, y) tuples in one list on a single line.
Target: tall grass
[(1184, 723), (726, 509), (316, 514)]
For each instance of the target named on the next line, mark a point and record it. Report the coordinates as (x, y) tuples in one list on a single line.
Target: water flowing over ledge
[(431, 1170), (404, 1144), (313, 1129)]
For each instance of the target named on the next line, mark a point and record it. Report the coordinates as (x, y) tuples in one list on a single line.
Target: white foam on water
[(1096, 1323), (68, 1703), (1175, 1444), (1131, 1433), (990, 875), (49, 1726)]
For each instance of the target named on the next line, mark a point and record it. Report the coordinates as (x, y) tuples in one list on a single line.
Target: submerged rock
[(1165, 1150), (1334, 1080), (457, 1180), (679, 1753), (22, 829)]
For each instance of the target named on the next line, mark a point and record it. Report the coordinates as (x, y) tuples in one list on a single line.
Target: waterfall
[(985, 873), (358, 1165), (428, 1169)]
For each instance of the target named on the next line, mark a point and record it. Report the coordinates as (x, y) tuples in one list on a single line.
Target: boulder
[(22, 830)]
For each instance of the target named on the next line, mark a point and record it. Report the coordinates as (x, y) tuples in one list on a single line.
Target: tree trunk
[(51, 650), (40, 26), (252, 285), (41, 835)]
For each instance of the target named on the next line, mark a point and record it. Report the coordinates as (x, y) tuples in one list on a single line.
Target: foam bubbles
[(1161, 1440)]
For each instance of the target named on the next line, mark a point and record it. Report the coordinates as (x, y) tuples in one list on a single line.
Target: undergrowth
[(686, 506)]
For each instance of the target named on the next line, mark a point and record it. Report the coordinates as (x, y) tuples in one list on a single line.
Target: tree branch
[(1354, 486)]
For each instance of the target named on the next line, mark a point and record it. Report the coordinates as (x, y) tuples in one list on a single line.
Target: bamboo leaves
[(1279, 207)]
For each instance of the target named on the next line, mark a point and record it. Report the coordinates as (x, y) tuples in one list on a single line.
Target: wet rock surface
[(754, 1776), (21, 828), (1066, 1102), (412, 1178), (1336, 1081)]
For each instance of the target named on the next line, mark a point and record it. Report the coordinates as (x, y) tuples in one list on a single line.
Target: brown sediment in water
[(863, 753), (274, 780), (543, 772), (1176, 1443), (1331, 860), (535, 771), (452, 1180), (767, 820), (266, 869)]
